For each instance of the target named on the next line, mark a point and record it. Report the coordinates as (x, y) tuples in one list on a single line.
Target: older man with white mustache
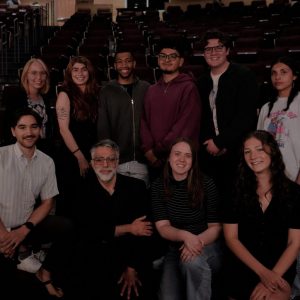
[(115, 230)]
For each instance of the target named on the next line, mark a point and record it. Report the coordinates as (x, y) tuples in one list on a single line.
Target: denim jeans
[(190, 280), (296, 284)]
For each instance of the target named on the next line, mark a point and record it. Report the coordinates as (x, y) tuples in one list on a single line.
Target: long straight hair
[(295, 87), (194, 178)]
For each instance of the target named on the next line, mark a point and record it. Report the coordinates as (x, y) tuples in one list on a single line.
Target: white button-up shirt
[(22, 181)]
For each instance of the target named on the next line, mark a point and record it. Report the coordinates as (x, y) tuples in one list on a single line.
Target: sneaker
[(41, 255), (29, 264)]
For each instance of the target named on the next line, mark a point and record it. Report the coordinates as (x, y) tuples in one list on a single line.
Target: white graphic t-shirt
[(285, 127)]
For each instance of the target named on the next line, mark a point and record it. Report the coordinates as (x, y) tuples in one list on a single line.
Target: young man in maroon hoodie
[(171, 107)]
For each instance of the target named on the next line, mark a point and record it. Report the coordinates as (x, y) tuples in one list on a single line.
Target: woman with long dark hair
[(281, 114), (76, 109), (262, 228), (185, 208)]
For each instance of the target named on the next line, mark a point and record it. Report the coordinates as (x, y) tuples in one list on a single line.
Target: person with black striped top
[(185, 210)]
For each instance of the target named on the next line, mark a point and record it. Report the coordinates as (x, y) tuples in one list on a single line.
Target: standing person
[(185, 210), (171, 107), (281, 117), (120, 110), (33, 93), (26, 175), (76, 109), (115, 229), (262, 228), (229, 94), (281, 114)]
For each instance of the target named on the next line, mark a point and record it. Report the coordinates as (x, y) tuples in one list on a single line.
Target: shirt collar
[(19, 152)]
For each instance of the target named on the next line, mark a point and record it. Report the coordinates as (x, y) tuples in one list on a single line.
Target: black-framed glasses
[(218, 48), (109, 160), (171, 56)]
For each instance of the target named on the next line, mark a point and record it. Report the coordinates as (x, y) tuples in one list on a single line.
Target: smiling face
[(215, 54), (256, 157), (105, 162), (36, 77), (180, 160), (26, 132), (124, 65), (282, 79), (80, 74)]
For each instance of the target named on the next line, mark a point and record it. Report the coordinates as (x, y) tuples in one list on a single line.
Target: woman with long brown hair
[(262, 227), (76, 109), (185, 210)]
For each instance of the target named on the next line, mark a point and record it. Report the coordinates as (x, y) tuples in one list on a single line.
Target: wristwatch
[(29, 225)]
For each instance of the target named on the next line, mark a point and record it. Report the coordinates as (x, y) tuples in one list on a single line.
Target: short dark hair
[(123, 50), (25, 112), (172, 43), (216, 34)]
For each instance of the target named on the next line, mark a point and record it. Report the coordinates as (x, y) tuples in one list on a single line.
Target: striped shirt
[(177, 209), (22, 181)]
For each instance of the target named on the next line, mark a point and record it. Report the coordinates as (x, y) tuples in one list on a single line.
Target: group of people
[(148, 176)]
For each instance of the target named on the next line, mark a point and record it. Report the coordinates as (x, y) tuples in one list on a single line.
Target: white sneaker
[(29, 264)]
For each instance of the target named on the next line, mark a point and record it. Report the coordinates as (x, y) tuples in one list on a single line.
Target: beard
[(168, 71), (106, 177)]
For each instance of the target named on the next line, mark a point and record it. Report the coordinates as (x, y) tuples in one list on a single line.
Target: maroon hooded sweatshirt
[(171, 110)]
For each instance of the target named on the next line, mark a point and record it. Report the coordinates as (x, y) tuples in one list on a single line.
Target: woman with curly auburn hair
[(262, 227), (76, 109)]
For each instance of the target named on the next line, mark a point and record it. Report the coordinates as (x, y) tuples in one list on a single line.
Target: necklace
[(265, 199)]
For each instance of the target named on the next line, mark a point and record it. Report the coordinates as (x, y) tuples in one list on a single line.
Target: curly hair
[(246, 184), (85, 103), (295, 87), (194, 178)]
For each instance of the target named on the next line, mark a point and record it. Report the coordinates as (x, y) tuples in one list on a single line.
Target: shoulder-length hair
[(194, 178), (84, 103), (246, 179), (24, 80), (295, 88)]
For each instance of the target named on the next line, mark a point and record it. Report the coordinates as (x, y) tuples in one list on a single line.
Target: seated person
[(262, 227), (115, 231), (185, 210), (25, 175)]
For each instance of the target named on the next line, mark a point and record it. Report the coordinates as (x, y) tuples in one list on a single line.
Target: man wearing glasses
[(171, 107), (229, 95), (115, 230), (120, 109)]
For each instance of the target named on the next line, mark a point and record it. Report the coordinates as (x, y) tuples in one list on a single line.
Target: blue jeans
[(190, 280), (296, 284)]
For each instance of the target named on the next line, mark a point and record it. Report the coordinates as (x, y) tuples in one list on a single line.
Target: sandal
[(52, 290)]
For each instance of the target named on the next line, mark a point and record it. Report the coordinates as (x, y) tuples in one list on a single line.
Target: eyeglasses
[(108, 160), (217, 49), (171, 56)]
